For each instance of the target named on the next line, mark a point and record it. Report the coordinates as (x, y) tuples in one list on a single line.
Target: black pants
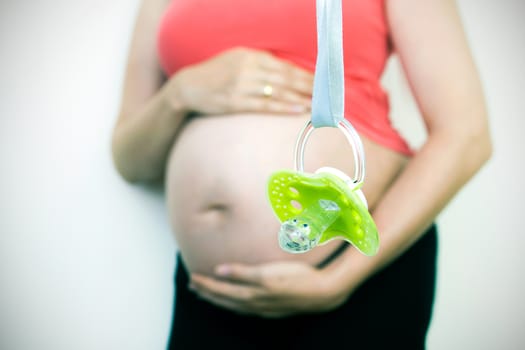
[(392, 310)]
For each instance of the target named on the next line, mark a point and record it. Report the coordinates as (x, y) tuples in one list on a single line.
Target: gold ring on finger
[(268, 90)]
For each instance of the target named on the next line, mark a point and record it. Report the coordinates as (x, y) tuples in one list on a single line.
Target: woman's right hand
[(242, 80)]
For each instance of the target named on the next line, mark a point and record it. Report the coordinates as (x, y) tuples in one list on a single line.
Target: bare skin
[(216, 164), (224, 215)]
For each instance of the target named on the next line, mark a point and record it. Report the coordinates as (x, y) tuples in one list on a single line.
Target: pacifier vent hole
[(296, 205), (294, 190)]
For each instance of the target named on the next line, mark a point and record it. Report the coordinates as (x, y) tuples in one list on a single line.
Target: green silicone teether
[(317, 208)]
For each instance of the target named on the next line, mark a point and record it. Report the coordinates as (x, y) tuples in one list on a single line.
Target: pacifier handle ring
[(353, 138)]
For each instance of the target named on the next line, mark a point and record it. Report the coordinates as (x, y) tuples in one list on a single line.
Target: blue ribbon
[(328, 90)]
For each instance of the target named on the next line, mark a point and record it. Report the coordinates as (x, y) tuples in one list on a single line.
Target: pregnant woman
[(215, 94)]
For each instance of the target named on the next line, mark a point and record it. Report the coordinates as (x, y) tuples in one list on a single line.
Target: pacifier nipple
[(295, 238), (303, 232)]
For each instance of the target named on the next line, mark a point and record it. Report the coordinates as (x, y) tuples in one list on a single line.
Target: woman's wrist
[(172, 96), (337, 287), (350, 270)]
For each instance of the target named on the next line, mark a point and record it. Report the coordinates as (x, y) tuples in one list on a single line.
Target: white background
[(86, 260)]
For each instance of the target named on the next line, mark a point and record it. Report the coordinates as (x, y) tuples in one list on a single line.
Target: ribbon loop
[(328, 89)]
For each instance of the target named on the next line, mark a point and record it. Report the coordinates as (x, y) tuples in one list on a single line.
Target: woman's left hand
[(275, 289)]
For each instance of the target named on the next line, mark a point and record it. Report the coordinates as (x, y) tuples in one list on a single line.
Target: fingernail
[(222, 270)]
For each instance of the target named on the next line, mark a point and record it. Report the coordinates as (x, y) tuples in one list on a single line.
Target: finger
[(277, 65), (278, 92), (288, 80), (282, 72), (271, 105), (240, 272), (222, 288)]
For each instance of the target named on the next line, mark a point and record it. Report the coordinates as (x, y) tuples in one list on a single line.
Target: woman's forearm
[(141, 141), (429, 181), (441, 73)]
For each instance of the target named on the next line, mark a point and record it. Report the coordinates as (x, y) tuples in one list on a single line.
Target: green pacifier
[(316, 208)]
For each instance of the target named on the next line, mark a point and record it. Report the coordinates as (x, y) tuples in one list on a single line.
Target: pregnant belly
[(216, 185)]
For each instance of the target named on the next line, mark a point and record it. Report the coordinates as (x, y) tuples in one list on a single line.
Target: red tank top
[(194, 30)]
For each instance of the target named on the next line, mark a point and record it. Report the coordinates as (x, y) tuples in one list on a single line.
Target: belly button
[(217, 207), (216, 211)]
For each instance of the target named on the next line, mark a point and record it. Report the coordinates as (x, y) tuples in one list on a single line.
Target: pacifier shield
[(291, 192)]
